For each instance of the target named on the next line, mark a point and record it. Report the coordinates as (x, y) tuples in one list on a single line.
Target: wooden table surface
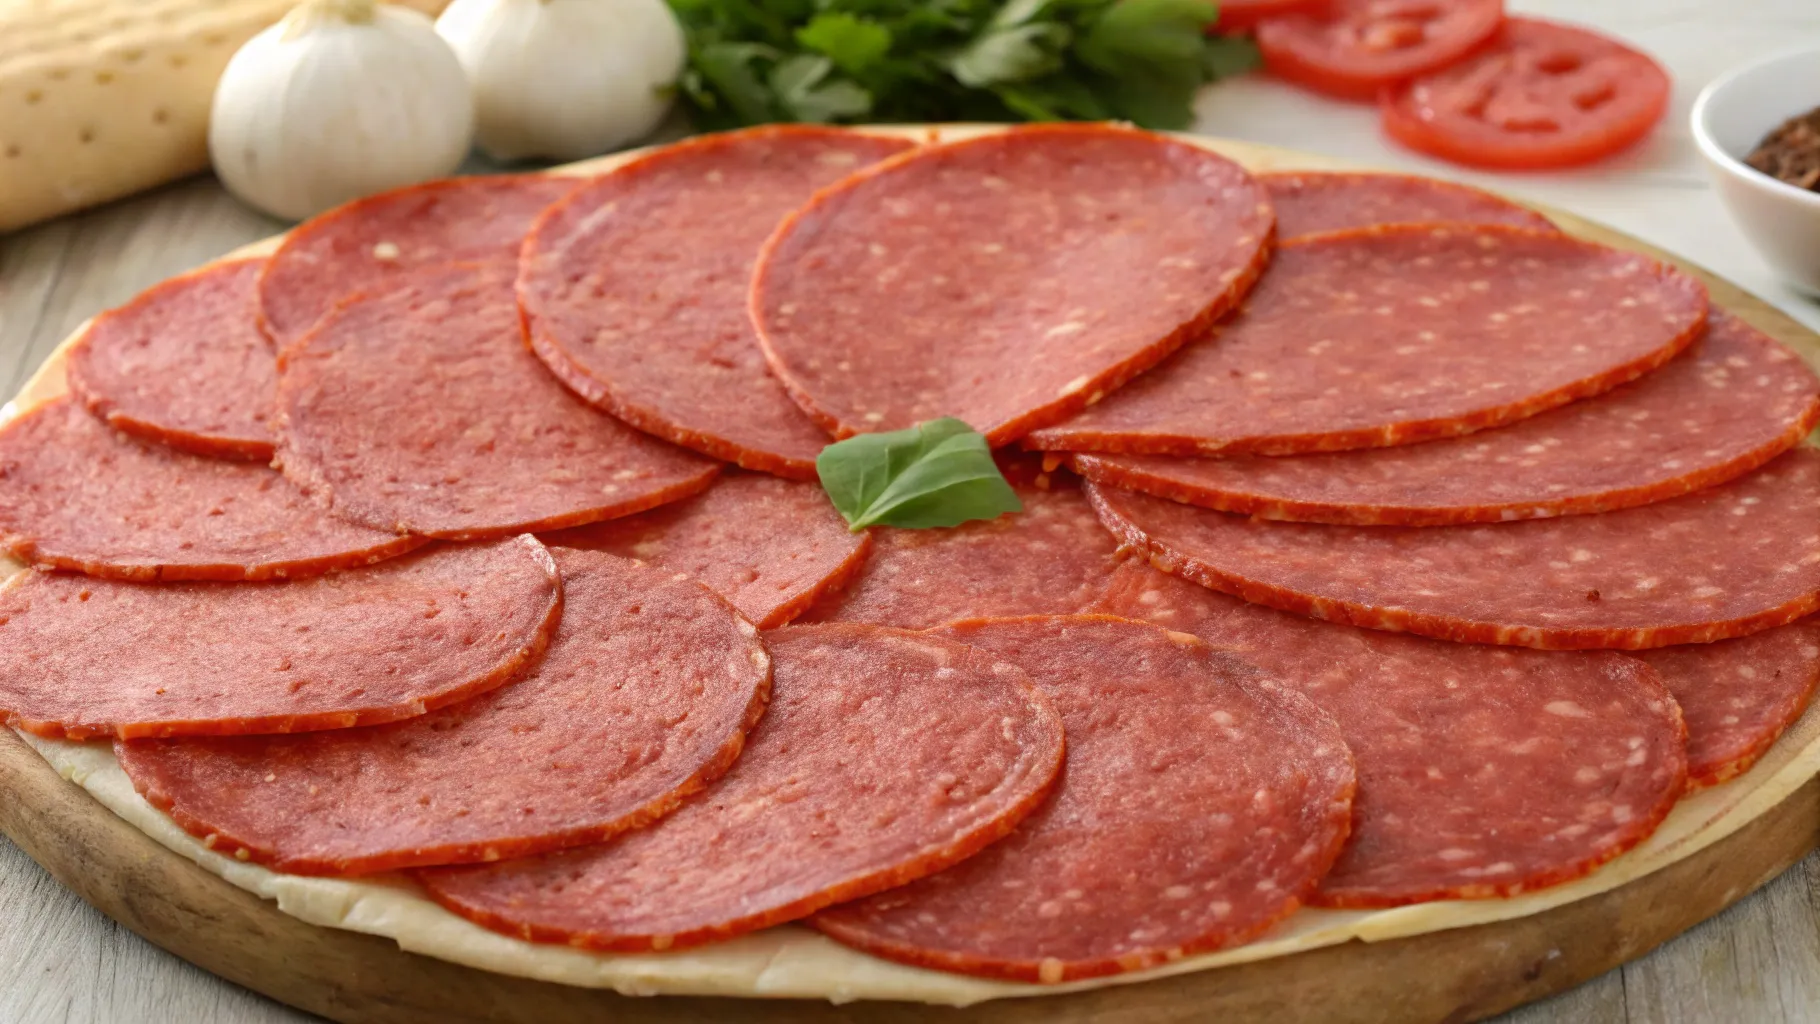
[(1759, 962)]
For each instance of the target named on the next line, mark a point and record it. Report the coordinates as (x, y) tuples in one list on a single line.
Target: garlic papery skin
[(565, 79), (341, 99)]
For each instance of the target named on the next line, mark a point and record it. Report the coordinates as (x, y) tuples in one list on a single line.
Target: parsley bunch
[(757, 61)]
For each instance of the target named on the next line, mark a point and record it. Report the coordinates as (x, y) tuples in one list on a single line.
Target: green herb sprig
[(828, 61), (934, 474)]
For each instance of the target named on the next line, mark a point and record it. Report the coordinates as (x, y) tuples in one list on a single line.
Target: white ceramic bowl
[(1731, 116)]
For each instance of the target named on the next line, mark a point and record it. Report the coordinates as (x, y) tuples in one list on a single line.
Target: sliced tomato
[(1541, 94), (1354, 48), (1242, 15)]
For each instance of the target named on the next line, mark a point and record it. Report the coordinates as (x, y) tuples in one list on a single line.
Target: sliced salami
[(76, 495), (1731, 403), (1008, 280), (1198, 807), (418, 410), (1316, 202), (1739, 695), (637, 301), (184, 364), (83, 657), (1724, 562), (644, 697), (1483, 771), (885, 756), (361, 245), (1054, 557), (1392, 335), (769, 546)]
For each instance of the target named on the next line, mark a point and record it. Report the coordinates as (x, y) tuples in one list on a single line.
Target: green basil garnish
[(938, 473)]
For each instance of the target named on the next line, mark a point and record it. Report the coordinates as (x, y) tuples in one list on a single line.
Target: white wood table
[(1759, 962)]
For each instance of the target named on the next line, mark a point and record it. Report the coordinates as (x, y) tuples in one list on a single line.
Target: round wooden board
[(1460, 974)]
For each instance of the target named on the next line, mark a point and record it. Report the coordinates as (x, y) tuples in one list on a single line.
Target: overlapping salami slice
[(1316, 202), (1197, 808), (76, 495), (1392, 335), (83, 657), (1731, 403), (1724, 562), (884, 756), (769, 546), (360, 246), (184, 364), (1054, 557), (1007, 280), (637, 301), (418, 410), (644, 696), (1739, 695), (1483, 771)]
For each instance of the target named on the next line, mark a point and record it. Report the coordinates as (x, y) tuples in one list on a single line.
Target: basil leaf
[(934, 474)]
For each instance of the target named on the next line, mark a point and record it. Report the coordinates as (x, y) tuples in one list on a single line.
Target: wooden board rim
[(1512, 961)]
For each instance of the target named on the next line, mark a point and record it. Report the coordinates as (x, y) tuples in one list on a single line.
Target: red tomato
[(1353, 48), (1240, 15), (1541, 95)]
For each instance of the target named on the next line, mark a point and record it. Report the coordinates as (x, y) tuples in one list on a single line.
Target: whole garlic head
[(341, 99), (565, 79)]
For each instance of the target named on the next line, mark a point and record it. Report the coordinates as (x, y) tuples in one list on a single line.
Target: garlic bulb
[(341, 99), (564, 79)]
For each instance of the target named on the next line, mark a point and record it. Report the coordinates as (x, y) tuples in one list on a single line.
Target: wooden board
[(1454, 975)]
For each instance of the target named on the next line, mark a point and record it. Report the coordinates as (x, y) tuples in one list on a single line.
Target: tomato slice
[(1542, 94), (1353, 48), (1240, 15)]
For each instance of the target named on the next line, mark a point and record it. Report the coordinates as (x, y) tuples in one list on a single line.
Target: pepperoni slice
[(1725, 562), (83, 657), (769, 546), (1353, 48), (644, 697), (1393, 335), (1007, 280), (418, 410), (1316, 202), (1483, 771), (1734, 401), (184, 364), (1197, 808), (1739, 695), (638, 302), (79, 496), (1540, 95), (885, 756), (359, 246), (1054, 557)]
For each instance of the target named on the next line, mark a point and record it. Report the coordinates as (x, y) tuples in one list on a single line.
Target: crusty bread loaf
[(102, 98)]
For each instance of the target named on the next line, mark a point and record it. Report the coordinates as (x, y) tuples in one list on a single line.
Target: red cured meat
[(1734, 401), (637, 301), (1739, 695), (1353, 48), (884, 756), (363, 244), (1008, 280), (1393, 335), (769, 546), (1724, 562), (1315, 202), (644, 697), (83, 657), (184, 364), (1054, 557), (1483, 771), (1197, 808), (418, 410), (76, 495)]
